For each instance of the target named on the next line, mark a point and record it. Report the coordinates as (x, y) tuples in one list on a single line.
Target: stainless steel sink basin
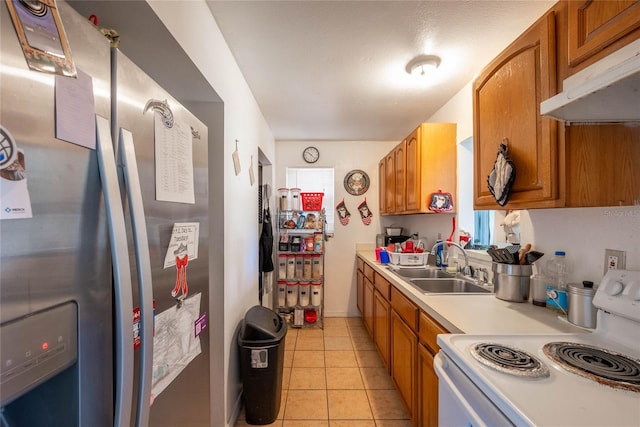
[(421, 273), (453, 285)]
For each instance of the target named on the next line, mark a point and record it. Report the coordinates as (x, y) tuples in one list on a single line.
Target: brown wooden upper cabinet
[(400, 165), (506, 100), (390, 183), (382, 187), (595, 25), (557, 165), (423, 163)]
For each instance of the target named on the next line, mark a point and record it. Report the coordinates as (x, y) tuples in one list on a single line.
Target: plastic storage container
[(304, 292), (292, 294), (282, 293), (283, 199), (295, 199), (557, 271), (261, 344), (316, 293)]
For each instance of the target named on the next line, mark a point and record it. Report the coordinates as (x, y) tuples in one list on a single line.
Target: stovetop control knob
[(614, 288), (633, 290)]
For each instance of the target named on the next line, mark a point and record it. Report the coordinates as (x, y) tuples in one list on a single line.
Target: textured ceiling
[(334, 70)]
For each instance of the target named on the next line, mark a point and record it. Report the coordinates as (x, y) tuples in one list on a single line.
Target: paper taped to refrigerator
[(184, 239), (174, 162), (174, 344), (75, 110)]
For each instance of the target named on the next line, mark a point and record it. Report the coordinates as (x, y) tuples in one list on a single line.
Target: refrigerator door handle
[(121, 275), (143, 261)]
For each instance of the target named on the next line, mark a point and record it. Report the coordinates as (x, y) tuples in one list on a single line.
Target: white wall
[(197, 32), (343, 156)]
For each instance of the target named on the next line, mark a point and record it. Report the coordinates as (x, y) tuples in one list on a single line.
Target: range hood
[(607, 91)]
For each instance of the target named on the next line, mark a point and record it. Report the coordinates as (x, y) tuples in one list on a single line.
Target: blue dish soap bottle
[(439, 259)]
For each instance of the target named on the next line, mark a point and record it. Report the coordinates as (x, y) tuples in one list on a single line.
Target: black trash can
[(261, 342)]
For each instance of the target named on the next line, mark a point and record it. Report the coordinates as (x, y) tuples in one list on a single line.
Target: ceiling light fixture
[(422, 65)]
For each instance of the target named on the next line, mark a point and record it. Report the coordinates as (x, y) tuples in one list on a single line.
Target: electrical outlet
[(614, 260)]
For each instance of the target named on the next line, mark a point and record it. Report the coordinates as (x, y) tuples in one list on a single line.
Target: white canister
[(303, 293), (299, 266), (283, 197), (307, 266), (316, 294), (292, 294), (295, 199), (282, 293), (282, 266), (317, 269), (291, 266)]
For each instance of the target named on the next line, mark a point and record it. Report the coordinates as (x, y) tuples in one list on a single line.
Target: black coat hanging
[(265, 251)]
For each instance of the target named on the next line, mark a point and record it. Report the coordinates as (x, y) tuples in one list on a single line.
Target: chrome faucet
[(467, 268), (481, 275)]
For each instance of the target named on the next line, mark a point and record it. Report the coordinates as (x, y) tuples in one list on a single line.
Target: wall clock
[(311, 154), (356, 182)]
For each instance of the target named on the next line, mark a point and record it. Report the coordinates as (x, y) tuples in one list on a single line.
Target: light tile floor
[(333, 377)]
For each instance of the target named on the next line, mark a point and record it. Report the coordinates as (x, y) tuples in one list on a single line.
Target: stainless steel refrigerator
[(87, 280)]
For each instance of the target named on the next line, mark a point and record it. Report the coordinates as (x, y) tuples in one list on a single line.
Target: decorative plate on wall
[(356, 182)]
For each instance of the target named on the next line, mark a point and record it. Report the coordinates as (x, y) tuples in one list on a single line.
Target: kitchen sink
[(421, 273), (453, 285)]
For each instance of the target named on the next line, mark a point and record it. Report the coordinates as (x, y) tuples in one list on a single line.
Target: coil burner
[(509, 360), (597, 364)]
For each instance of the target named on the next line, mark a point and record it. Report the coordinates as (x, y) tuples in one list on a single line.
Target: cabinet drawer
[(407, 310), (368, 272), (428, 331), (383, 286), (360, 262)]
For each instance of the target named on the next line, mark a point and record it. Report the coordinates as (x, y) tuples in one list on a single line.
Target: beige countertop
[(478, 314)]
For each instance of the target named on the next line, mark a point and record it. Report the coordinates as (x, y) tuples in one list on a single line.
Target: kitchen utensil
[(532, 256), (512, 254), (453, 229), (493, 253), (511, 281), (523, 250)]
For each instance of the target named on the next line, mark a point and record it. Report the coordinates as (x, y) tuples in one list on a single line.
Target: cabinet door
[(400, 162), (382, 188), (381, 327), (368, 305), (595, 25), (390, 183), (506, 99), (427, 390), (413, 171), (360, 291), (404, 348)]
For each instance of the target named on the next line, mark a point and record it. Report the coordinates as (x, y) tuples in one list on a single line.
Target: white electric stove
[(590, 379)]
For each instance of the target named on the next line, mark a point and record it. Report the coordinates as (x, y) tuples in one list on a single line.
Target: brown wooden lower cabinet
[(404, 352), (360, 291), (427, 390), (381, 329), (368, 305)]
